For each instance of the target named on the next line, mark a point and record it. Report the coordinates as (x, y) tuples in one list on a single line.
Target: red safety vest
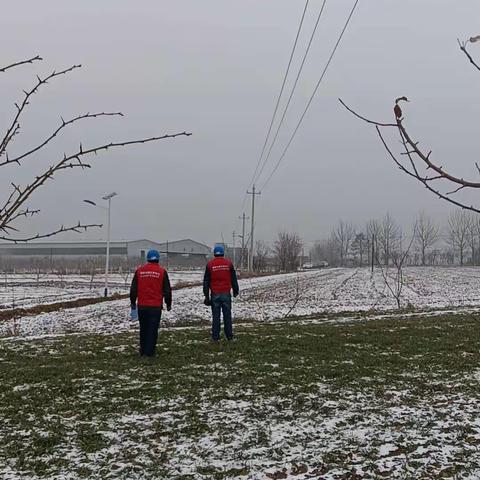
[(150, 285), (220, 275)]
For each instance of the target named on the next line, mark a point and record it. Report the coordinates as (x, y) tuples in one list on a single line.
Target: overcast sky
[(214, 68)]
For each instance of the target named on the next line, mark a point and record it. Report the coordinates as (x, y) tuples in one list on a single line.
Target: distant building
[(236, 255), (186, 253)]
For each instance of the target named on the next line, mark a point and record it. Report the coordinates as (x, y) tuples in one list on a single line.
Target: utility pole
[(373, 251), (234, 254), (242, 258), (253, 193)]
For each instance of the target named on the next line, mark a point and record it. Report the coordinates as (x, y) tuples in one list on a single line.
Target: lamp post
[(107, 259)]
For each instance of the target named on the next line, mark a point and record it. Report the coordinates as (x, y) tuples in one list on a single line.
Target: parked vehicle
[(314, 266)]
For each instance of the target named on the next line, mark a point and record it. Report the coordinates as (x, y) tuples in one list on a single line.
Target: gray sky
[(214, 68)]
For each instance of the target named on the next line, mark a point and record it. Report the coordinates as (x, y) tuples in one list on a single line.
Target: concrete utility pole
[(253, 193), (168, 257), (373, 251), (242, 262), (234, 254)]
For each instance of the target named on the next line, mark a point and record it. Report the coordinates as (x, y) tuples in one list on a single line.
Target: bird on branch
[(397, 109)]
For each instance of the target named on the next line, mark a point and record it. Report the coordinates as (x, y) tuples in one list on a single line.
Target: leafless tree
[(373, 229), (396, 282), (458, 232), (325, 250), (475, 238), (418, 163), (426, 235), (15, 206), (388, 237), (125, 272), (296, 297), (343, 235), (287, 249), (93, 265), (262, 250), (360, 247)]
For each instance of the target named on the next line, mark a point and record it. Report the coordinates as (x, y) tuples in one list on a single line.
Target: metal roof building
[(120, 249)]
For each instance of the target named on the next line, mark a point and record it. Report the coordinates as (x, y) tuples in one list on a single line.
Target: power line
[(313, 94), (281, 90), (279, 96), (292, 91)]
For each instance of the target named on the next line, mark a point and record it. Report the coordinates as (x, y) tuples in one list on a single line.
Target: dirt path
[(8, 314)]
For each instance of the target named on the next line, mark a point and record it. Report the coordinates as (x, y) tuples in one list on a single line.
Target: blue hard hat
[(218, 251), (153, 256)]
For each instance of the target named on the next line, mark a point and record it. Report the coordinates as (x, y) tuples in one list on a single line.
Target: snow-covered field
[(27, 290), (364, 400), (310, 293), (351, 400)]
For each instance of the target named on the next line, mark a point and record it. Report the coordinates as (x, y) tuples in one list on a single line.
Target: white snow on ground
[(400, 437), (396, 436), (27, 290), (287, 440), (310, 293)]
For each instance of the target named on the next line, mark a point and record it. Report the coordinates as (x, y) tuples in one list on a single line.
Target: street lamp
[(107, 260)]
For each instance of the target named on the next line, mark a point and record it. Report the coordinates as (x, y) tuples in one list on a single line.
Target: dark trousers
[(149, 322), (222, 303)]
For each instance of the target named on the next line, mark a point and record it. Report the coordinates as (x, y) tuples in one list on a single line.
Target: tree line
[(382, 241)]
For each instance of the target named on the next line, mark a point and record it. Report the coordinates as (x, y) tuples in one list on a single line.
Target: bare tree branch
[(23, 213), (15, 125), (23, 62), (14, 206), (416, 155), (76, 228), (463, 48), (55, 133), (423, 180), (20, 195), (430, 165), (364, 118)]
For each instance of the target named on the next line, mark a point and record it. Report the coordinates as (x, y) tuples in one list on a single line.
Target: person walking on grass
[(150, 289), (219, 281)]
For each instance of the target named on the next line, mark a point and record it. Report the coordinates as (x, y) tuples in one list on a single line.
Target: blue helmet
[(153, 256), (218, 251)]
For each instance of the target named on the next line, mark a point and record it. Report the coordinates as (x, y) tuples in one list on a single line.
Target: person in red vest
[(219, 281), (149, 290)]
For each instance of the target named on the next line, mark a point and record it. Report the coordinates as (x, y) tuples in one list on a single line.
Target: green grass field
[(362, 399)]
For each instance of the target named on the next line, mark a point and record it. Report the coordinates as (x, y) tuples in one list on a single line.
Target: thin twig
[(23, 62), (463, 48), (373, 122), (15, 126), (21, 195), (420, 179), (56, 132), (76, 228)]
